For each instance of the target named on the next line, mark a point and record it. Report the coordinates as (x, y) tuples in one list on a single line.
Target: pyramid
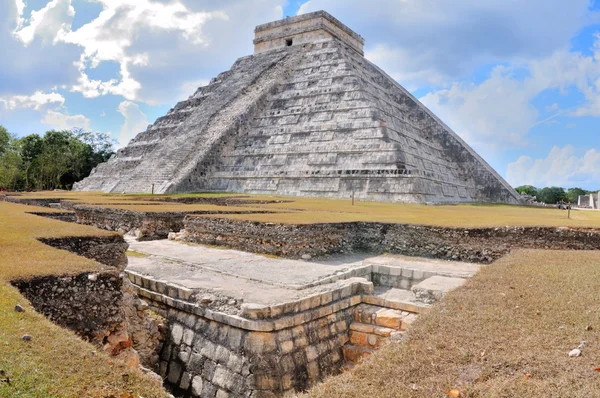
[(305, 115)]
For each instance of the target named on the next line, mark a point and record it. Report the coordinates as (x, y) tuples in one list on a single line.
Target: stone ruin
[(590, 201), (305, 115)]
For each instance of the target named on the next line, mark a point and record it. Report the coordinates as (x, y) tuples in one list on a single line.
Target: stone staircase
[(372, 327)]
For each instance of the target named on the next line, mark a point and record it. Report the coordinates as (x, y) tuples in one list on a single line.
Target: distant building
[(589, 201)]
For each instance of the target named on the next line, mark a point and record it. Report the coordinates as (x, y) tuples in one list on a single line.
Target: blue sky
[(519, 81)]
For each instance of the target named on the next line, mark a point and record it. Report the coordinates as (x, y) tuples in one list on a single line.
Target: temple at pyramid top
[(302, 29), (306, 114)]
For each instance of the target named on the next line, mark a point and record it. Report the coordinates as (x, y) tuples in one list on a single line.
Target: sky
[(518, 80)]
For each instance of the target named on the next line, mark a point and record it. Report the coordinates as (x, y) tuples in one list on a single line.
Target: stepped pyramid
[(307, 115)]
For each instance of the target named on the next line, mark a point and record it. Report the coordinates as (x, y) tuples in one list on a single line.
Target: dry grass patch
[(470, 216), (55, 363), (24, 256), (297, 210), (506, 333)]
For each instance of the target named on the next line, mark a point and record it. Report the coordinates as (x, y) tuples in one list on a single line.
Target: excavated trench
[(101, 307), (264, 349)]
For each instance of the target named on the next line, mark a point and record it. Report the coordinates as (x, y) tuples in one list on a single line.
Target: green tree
[(5, 139), (551, 195), (574, 193), (527, 190), (10, 163), (31, 149)]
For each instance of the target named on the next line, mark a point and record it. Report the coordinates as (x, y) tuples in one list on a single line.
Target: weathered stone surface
[(306, 115), (432, 289), (480, 245)]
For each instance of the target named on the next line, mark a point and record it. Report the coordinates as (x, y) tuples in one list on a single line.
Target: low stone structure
[(305, 115), (591, 201), (482, 245), (246, 325)]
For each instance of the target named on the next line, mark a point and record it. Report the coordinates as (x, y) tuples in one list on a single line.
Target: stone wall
[(205, 357), (155, 225), (265, 351), (109, 250), (87, 303), (482, 245)]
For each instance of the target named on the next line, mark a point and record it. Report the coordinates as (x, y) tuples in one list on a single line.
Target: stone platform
[(251, 325)]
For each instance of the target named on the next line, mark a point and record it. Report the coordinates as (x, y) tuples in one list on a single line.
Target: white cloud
[(110, 36), (48, 23), (149, 40), (135, 121), (494, 114), (20, 5), (562, 167), (449, 39), (36, 101), (62, 121), (498, 113)]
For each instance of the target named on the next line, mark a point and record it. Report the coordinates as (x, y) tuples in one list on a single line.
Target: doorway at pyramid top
[(302, 29)]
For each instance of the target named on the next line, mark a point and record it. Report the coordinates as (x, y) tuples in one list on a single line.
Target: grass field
[(56, 363), (506, 333), (296, 210)]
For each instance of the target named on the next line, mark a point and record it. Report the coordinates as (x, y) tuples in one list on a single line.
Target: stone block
[(222, 394), (313, 371), (261, 342), (311, 353), (197, 384), (176, 333), (186, 379), (234, 338), (287, 346), (174, 372), (235, 363), (222, 355), (196, 362), (407, 321), (209, 350), (188, 337), (362, 327), (388, 318)]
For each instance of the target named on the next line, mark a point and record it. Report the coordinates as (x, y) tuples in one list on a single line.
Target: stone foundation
[(482, 245), (109, 250), (266, 350)]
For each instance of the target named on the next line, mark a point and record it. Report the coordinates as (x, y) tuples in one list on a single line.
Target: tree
[(527, 190), (10, 161), (574, 193), (5, 139), (551, 195), (31, 148)]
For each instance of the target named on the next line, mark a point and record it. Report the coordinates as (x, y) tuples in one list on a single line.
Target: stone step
[(433, 289), (355, 353), (383, 317), (364, 335)]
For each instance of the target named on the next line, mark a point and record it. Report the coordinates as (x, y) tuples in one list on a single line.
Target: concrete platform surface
[(254, 278), (440, 267)]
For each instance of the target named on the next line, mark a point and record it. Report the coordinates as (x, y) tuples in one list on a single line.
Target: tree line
[(54, 160), (553, 195)]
